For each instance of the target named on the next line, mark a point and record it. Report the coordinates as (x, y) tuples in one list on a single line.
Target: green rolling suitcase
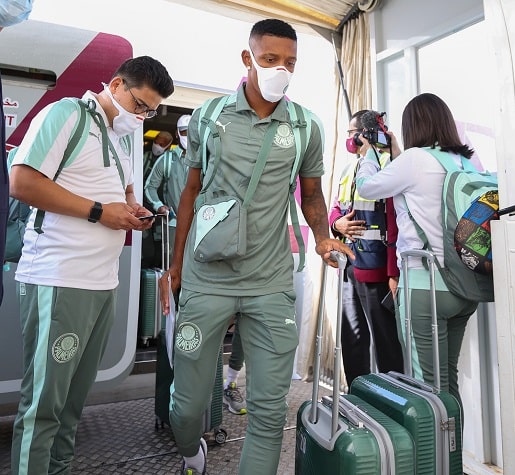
[(164, 377), (150, 318), (350, 437), (432, 416)]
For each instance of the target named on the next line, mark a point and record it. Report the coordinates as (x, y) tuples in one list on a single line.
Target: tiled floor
[(120, 437)]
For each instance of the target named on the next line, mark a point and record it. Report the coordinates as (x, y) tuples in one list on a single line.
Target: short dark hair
[(427, 121), (273, 27), (146, 71), (358, 116)]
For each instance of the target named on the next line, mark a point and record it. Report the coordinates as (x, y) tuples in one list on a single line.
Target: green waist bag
[(220, 230)]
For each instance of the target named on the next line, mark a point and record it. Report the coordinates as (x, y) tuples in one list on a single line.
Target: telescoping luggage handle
[(165, 241), (165, 263), (341, 259), (408, 364)]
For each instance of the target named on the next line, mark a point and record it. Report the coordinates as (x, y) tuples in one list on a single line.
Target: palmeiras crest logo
[(188, 337), (65, 347), (284, 136)]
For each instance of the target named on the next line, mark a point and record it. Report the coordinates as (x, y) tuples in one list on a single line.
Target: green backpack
[(301, 123), (462, 186)]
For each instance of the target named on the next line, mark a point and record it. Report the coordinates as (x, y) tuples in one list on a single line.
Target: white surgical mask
[(14, 11), (157, 149), (273, 82), (184, 141), (125, 122)]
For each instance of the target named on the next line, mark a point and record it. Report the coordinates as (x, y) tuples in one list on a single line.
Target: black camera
[(377, 137), (374, 129)]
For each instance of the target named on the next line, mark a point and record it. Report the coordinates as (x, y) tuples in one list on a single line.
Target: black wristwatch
[(95, 213)]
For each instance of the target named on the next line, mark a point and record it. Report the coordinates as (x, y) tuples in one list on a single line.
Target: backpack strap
[(209, 113), (106, 142), (70, 148), (300, 121), (448, 163), (445, 159), (260, 162), (126, 140)]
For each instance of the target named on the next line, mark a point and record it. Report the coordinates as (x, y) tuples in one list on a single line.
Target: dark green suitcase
[(366, 442), (432, 416), (164, 377), (432, 419), (350, 437), (150, 318)]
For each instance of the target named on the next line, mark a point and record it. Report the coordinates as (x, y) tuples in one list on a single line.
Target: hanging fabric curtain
[(356, 68), (356, 62)]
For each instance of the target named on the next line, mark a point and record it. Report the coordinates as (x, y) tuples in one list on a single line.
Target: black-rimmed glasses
[(141, 107)]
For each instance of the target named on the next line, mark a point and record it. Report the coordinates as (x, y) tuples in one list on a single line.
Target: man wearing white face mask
[(160, 145), (168, 176), (169, 173), (258, 285), (68, 273)]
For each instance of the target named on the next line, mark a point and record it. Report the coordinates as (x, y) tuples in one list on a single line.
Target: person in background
[(160, 145), (233, 398), (167, 179), (11, 13), (415, 180), (68, 274), (151, 238), (369, 228), (258, 285), (164, 184)]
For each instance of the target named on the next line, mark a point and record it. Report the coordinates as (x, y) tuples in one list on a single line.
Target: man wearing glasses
[(68, 273)]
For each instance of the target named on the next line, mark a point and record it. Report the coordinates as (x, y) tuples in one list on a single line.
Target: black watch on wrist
[(95, 213)]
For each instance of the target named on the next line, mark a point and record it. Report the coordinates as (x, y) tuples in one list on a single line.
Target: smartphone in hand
[(388, 302), (150, 216)]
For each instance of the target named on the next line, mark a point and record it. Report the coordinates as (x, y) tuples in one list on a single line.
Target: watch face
[(95, 213)]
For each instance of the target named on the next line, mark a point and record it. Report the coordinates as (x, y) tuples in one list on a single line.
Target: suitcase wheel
[(220, 436), (160, 424)]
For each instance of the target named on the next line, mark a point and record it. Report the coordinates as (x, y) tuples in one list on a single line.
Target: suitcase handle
[(165, 241), (341, 259), (165, 263), (412, 381), (408, 365), (346, 410)]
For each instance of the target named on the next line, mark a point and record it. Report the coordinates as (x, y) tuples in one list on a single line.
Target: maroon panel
[(96, 63)]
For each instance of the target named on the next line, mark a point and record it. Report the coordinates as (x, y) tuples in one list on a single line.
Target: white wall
[(408, 22)]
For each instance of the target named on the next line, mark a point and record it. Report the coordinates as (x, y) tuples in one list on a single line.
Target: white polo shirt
[(72, 252)]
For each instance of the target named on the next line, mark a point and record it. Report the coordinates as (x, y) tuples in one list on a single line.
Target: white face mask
[(157, 149), (273, 82), (184, 141), (125, 122), (14, 12)]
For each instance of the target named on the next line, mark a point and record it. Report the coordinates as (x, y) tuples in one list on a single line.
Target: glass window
[(460, 69)]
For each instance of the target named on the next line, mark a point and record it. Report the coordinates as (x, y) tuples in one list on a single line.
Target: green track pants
[(65, 332), (269, 337)]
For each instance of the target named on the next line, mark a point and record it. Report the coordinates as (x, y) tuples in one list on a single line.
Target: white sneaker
[(192, 471)]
